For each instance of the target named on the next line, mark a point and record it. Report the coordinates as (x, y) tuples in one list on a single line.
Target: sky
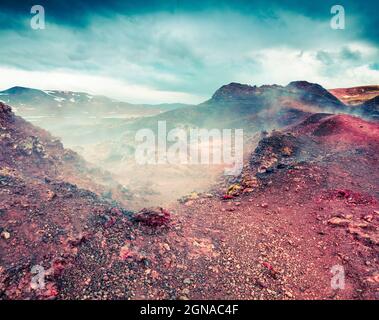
[(182, 51)]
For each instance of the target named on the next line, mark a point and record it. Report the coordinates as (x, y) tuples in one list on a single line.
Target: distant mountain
[(355, 96), (77, 117), (33, 103)]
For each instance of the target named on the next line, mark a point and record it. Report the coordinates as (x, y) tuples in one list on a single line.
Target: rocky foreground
[(306, 201)]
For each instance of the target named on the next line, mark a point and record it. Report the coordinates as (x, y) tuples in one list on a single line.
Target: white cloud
[(282, 65), (183, 57)]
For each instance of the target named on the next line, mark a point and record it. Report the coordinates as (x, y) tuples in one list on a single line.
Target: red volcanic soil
[(42, 217), (343, 131), (355, 95), (306, 201)]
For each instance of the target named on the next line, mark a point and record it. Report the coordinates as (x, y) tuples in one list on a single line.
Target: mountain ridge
[(23, 97)]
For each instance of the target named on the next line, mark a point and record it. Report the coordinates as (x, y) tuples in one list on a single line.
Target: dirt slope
[(43, 212)]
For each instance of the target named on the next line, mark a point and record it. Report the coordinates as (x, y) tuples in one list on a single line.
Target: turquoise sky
[(182, 51)]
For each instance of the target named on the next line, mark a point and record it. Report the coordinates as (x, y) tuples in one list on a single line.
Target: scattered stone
[(273, 272), (339, 222), (193, 196), (350, 197), (359, 224), (368, 217), (5, 235), (153, 217), (373, 279), (234, 190), (185, 291), (50, 195), (154, 274), (125, 252), (260, 283), (363, 236)]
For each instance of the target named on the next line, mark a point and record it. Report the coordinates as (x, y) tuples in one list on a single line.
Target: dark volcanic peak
[(234, 90), (313, 93), (303, 91), (237, 91), (309, 87), (302, 84)]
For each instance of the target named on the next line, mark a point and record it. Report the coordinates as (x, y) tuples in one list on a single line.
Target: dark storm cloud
[(78, 13)]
